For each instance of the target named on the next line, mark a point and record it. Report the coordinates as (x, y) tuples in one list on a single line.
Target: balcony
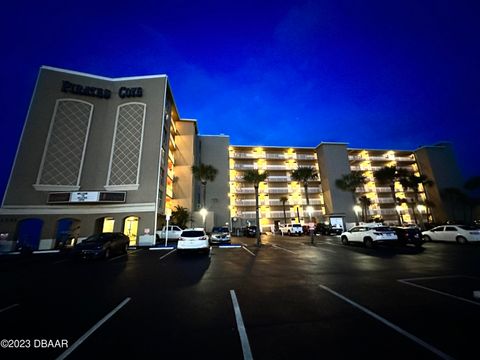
[(277, 167), (276, 156), (278, 190), (306, 157), (279, 178), (240, 155), (245, 190), (312, 190), (244, 166)]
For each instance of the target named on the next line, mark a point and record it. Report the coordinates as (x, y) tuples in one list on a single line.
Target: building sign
[(84, 196), (87, 197), (68, 87), (123, 92)]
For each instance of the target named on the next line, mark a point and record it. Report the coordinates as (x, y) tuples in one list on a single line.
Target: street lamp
[(310, 212), (204, 213), (357, 210), (399, 210)]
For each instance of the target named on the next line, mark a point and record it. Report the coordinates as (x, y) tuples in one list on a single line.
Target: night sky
[(375, 74)]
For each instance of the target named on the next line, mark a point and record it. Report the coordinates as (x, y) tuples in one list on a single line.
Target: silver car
[(220, 235)]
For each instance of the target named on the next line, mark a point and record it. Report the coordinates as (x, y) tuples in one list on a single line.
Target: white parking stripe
[(164, 256), (441, 277), (245, 248), (281, 248), (247, 353), (8, 308), (439, 292), (389, 324), (92, 330)]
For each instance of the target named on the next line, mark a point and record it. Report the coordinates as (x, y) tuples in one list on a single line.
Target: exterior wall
[(383, 206), (279, 162), (184, 160), (26, 196), (439, 165), (214, 151), (333, 163)]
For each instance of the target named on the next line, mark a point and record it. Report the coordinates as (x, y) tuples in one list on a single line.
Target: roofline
[(208, 135), (73, 72), (363, 149), (191, 121), (274, 147)]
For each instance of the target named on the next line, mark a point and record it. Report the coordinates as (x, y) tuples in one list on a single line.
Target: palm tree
[(413, 182), (350, 182), (387, 176), (255, 178), (204, 173), (304, 175), (180, 216), (365, 202), (284, 199)]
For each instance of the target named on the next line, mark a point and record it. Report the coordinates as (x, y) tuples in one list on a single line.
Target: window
[(450, 228)]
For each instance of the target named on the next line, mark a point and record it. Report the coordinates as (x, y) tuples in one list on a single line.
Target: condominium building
[(113, 154)]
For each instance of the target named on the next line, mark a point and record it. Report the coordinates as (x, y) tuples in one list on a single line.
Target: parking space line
[(164, 256), (439, 292), (92, 330), (441, 277), (245, 248), (247, 353), (412, 337), (8, 308), (281, 248)]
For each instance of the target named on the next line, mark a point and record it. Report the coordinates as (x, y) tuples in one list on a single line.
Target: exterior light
[(204, 213), (399, 208), (357, 209), (421, 208)]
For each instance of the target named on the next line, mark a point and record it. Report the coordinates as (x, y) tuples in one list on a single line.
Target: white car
[(369, 235), (462, 234), (173, 232), (291, 229), (193, 239)]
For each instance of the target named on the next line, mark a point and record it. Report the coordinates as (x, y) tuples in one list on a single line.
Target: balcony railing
[(279, 178)]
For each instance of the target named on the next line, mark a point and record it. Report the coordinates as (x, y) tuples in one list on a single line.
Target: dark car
[(409, 235), (327, 229), (220, 235), (250, 231), (102, 245)]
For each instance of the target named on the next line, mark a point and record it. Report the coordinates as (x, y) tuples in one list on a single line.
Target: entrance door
[(29, 233), (130, 228)]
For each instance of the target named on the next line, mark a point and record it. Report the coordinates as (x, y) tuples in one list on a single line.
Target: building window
[(126, 152), (65, 146)]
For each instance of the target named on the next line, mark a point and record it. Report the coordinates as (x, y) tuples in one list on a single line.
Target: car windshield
[(192, 234), (220, 229), (297, 225), (467, 227), (98, 238)]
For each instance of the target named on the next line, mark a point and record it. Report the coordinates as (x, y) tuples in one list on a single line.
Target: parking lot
[(285, 300)]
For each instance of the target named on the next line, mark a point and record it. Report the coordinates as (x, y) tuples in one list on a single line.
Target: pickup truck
[(174, 232), (291, 229)]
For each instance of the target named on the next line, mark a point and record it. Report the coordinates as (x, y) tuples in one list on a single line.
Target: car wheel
[(368, 242), (461, 240), (344, 240), (107, 253), (427, 238)]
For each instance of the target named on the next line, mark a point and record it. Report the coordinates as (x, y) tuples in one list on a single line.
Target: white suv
[(193, 239), (291, 229), (369, 235)]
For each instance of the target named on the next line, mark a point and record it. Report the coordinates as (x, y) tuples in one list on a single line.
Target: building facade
[(98, 154), (112, 154)]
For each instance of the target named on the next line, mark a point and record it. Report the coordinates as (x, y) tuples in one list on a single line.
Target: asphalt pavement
[(288, 299)]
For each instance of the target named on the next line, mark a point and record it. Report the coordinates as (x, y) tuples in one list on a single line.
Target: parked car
[(369, 235), (408, 235), (220, 235), (327, 229), (193, 239), (102, 245), (291, 229), (173, 232), (250, 231), (462, 234)]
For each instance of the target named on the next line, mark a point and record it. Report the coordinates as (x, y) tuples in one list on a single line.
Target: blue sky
[(375, 74)]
